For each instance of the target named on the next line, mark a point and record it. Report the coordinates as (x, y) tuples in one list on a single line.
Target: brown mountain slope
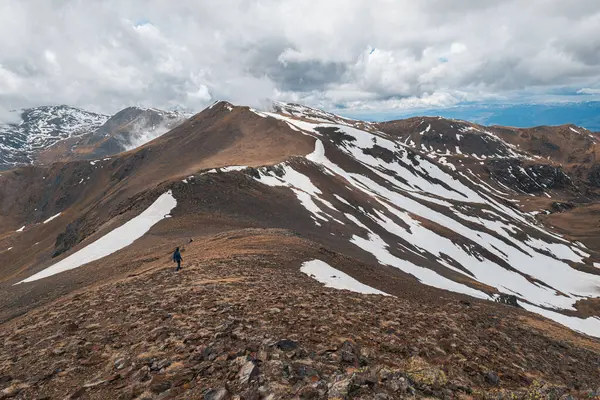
[(214, 138), (96, 197), (544, 150), (237, 136), (565, 144)]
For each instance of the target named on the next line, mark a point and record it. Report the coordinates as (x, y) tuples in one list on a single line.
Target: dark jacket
[(177, 256)]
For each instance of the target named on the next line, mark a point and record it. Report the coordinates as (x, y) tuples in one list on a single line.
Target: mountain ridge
[(581, 113)]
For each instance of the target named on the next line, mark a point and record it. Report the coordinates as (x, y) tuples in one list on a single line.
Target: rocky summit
[(323, 258)]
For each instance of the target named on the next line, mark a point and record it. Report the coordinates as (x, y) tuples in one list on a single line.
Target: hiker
[(177, 258)]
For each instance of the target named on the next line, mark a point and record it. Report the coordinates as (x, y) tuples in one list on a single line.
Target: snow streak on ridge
[(113, 241)]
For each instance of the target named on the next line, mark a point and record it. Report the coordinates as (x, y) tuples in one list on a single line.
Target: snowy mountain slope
[(461, 224), (128, 129), (444, 137), (41, 128), (564, 143), (526, 161), (361, 191), (61, 133)]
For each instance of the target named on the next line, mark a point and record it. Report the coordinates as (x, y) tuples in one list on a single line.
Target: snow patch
[(260, 114), (444, 161), (357, 222), (51, 218), (589, 326), (115, 240), (376, 246), (233, 168), (342, 200), (336, 279)]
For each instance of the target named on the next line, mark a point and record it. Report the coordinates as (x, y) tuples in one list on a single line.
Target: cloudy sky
[(104, 55)]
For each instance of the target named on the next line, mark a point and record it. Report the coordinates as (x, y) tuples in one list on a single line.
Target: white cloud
[(588, 91), (109, 54), (457, 48), (9, 116), (10, 82)]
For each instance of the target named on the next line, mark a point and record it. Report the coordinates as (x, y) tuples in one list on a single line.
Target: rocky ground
[(247, 324)]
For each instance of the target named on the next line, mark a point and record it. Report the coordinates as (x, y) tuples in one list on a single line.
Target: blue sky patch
[(142, 22)]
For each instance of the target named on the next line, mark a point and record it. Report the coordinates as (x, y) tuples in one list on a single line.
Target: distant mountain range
[(584, 114), (62, 133), (40, 128), (48, 134)]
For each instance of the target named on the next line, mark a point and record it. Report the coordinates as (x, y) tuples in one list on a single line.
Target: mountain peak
[(42, 127), (220, 104), (299, 110), (154, 110)]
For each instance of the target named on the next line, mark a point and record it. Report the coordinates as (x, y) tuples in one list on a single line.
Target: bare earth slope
[(266, 205)]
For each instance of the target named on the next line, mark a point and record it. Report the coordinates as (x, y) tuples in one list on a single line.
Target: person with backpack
[(177, 258)]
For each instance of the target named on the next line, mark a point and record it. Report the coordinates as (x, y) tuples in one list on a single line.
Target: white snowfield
[(115, 240), (515, 262), (51, 218), (233, 168), (230, 168), (333, 278), (589, 326)]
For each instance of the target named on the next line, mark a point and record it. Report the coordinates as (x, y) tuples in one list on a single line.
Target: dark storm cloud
[(306, 75)]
